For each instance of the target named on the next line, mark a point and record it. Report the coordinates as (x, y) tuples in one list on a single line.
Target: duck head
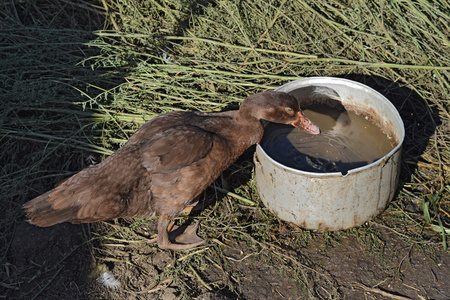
[(278, 107)]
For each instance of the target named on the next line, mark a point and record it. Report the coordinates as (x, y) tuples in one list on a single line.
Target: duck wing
[(176, 148)]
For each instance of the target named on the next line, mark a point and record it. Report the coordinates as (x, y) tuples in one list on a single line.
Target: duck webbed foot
[(180, 237)]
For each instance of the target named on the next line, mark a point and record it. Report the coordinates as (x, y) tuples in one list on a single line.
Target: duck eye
[(288, 110)]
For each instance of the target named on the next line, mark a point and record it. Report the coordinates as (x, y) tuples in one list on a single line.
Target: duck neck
[(249, 127)]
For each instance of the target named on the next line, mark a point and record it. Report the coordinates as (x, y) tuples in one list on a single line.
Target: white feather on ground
[(108, 280)]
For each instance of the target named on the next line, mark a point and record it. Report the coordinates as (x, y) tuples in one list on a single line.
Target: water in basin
[(347, 141)]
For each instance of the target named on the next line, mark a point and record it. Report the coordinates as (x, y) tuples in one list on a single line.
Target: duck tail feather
[(41, 212)]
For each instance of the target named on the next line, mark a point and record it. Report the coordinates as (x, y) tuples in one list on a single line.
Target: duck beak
[(305, 124)]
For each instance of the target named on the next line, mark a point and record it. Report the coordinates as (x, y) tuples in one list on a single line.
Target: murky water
[(347, 141)]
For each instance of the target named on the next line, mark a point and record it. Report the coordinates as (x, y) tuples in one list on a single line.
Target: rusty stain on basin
[(333, 201)]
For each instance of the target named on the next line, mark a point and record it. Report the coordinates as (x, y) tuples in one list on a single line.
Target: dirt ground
[(58, 263)]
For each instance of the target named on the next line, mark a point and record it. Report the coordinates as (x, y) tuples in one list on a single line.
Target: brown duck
[(164, 166)]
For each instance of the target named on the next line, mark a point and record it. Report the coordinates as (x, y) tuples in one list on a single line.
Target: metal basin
[(333, 201)]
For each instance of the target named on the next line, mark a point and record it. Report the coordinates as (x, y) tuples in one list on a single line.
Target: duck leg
[(186, 240)]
